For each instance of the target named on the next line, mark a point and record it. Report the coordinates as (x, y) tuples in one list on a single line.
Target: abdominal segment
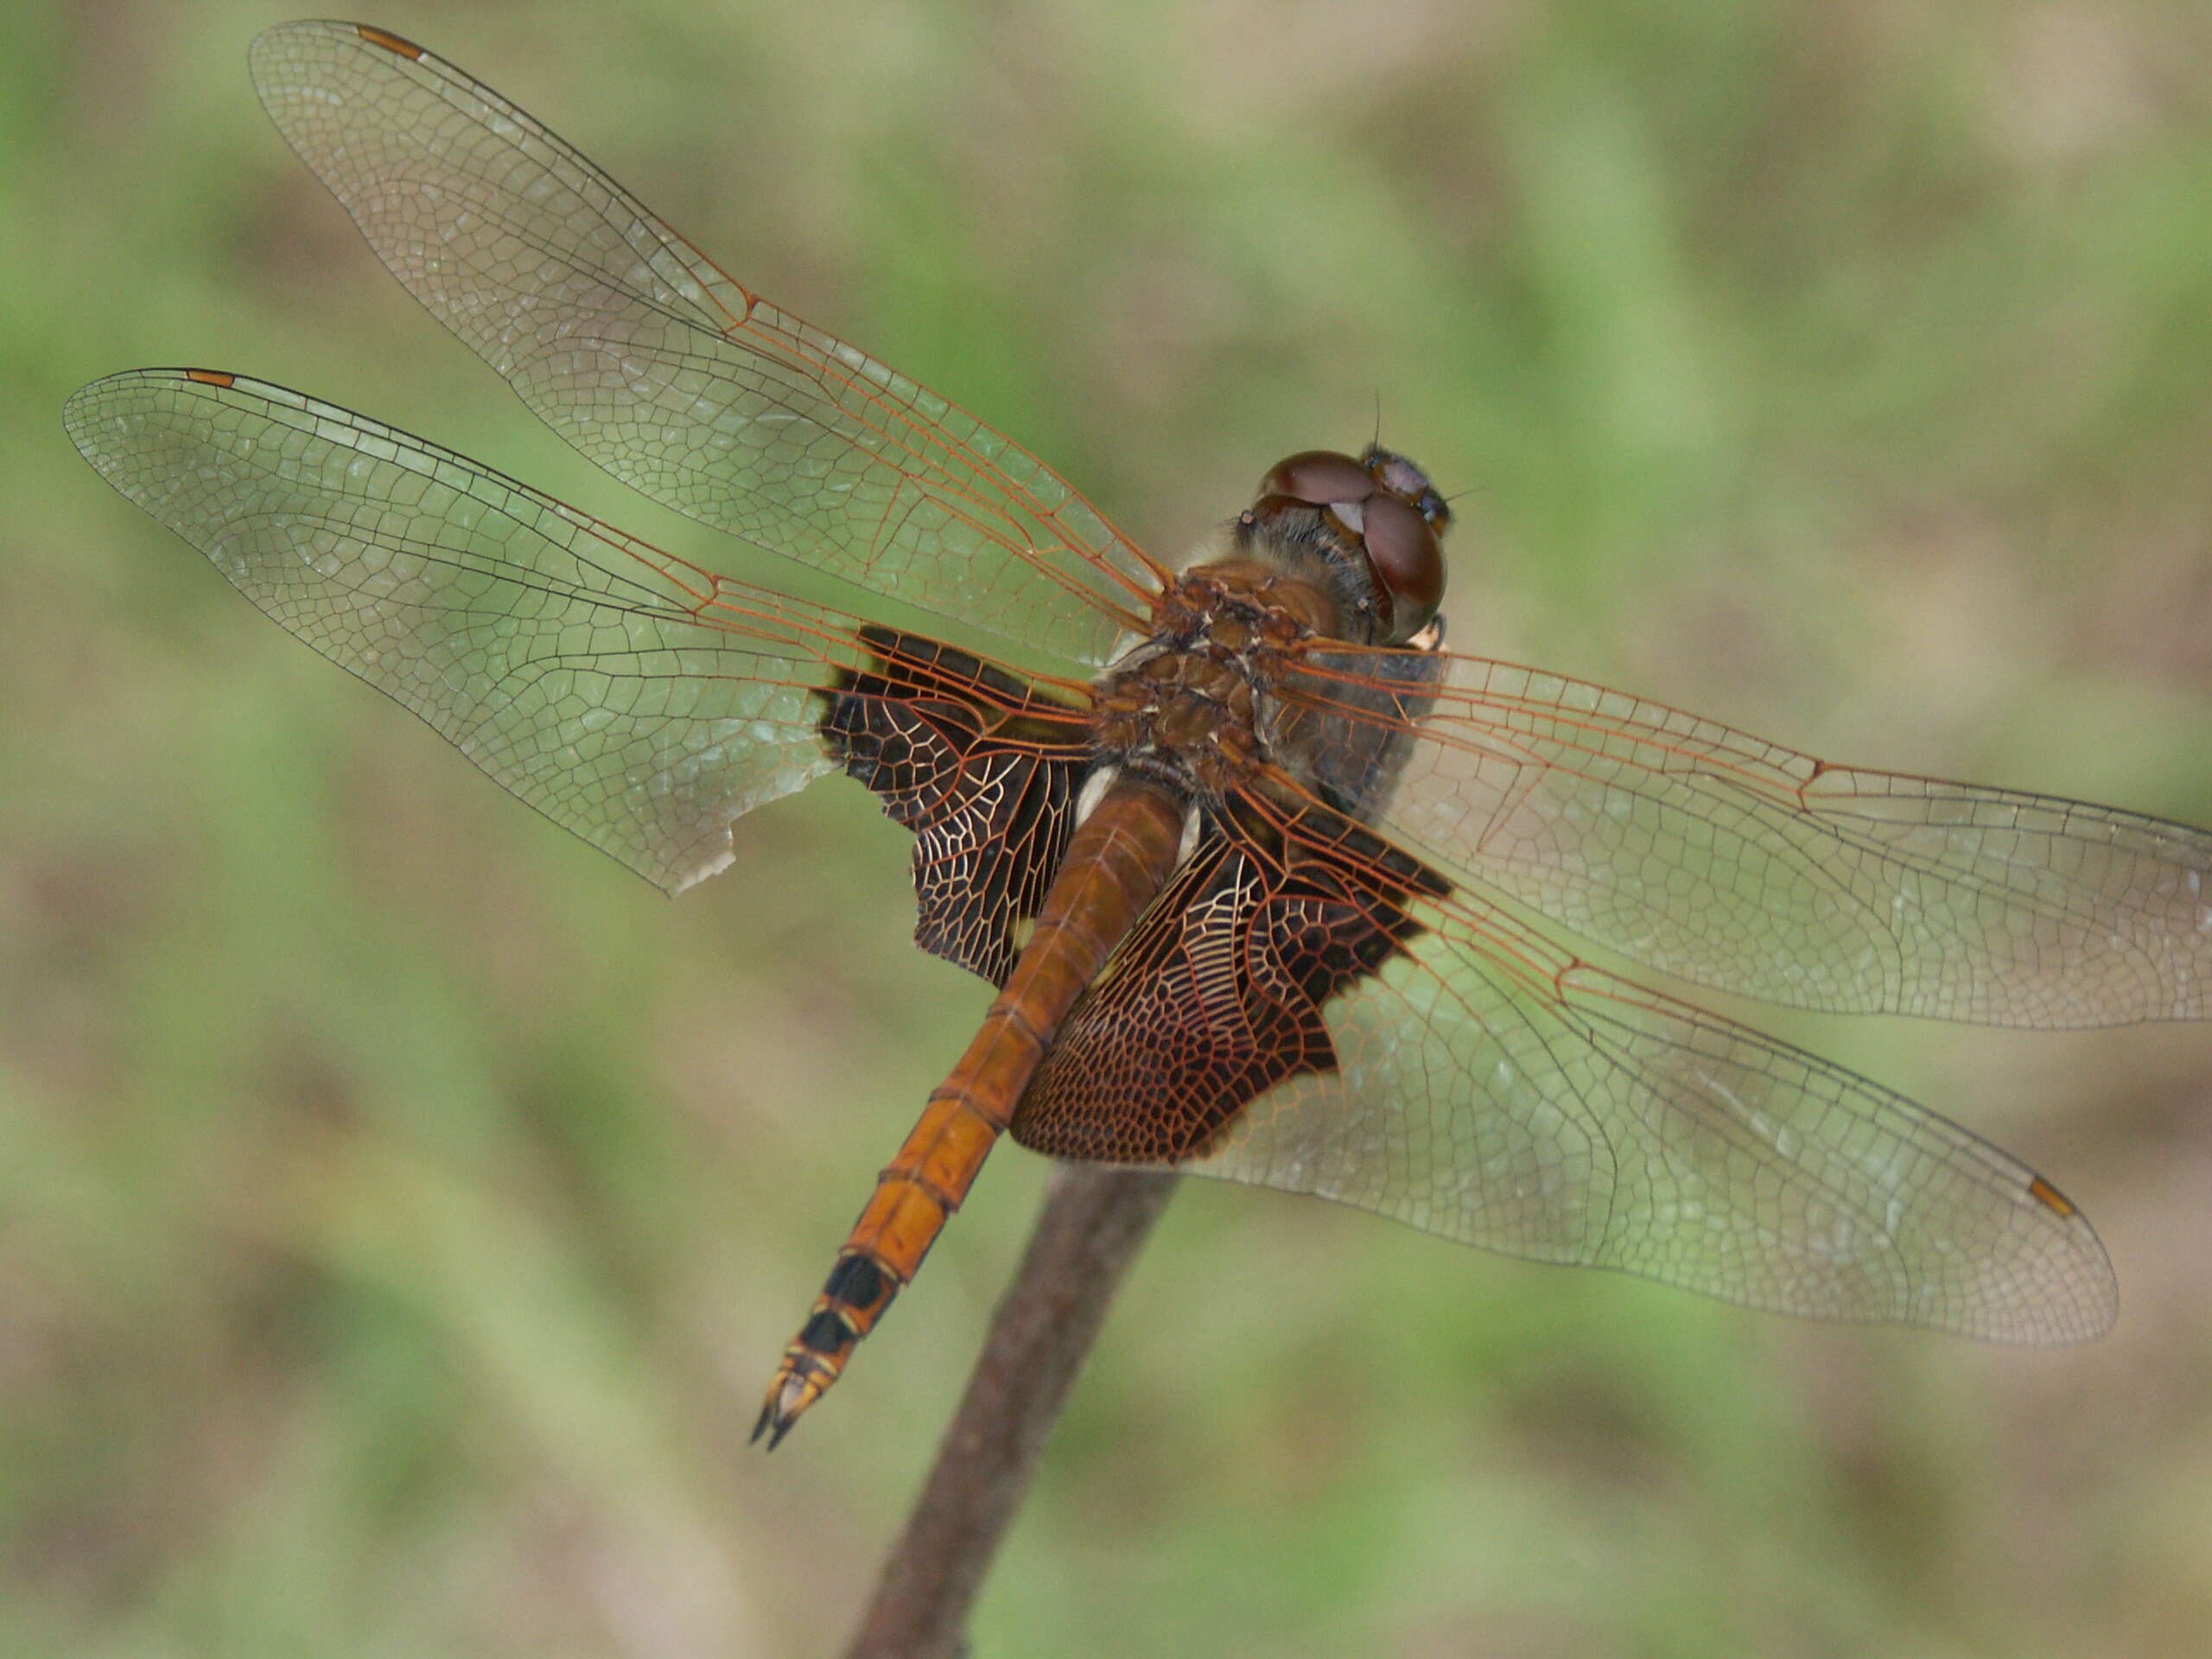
[(1117, 861)]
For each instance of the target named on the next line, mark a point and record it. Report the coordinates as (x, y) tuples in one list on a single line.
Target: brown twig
[(1087, 1233)]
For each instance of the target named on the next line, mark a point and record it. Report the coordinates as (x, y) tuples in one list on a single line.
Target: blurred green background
[(401, 1206)]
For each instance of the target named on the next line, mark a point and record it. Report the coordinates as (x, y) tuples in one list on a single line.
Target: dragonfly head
[(1385, 508)]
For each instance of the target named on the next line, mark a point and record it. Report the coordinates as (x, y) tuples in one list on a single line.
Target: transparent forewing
[(632, 698), (1710, 854), (641, 352), (1492, 1089)]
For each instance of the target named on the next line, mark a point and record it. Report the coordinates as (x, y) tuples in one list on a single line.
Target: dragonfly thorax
[(1188, 706)]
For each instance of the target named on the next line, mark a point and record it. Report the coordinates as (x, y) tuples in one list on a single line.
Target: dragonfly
[(1271, 885)]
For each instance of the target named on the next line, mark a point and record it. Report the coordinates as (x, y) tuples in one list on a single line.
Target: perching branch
[(1087, 1234)]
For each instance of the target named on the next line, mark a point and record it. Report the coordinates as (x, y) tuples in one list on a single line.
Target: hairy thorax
[(1190, 706)]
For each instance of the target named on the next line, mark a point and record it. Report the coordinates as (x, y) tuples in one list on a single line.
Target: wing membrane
[(651, 361), (1485, 1086), (982, 768), (1727, 859), (636, 700)]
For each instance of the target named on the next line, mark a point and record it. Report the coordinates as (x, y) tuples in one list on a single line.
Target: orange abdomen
[(1120, 858)]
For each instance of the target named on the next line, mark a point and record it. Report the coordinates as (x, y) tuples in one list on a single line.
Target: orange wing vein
[(646, 357), (1704, 852), (633, 698), (1451, 1069)]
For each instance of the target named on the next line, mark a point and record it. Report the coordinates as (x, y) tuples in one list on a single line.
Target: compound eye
[(1408, 561), (1318, 477)]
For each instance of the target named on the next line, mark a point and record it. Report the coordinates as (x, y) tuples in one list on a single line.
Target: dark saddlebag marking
[(983, 767), (1217, 995)]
